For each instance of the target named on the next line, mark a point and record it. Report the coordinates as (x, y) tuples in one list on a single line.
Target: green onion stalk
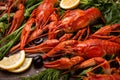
[(5, 17), (30, 3), (29, 10), (4, 49), (3, 27)]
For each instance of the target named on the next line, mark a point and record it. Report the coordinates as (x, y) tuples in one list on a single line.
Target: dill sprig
[(5, 17), (112, 13), (65, 76), (30, 3), (47, 74), (7, 42), (10, 37), (4, 49)]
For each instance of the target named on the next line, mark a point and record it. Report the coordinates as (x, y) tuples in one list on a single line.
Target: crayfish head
[(94, 51), (79, 49)]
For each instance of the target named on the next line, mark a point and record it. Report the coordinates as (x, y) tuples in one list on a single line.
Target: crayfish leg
[(65, 37), (99, 61), (81, 33), (104, 33)]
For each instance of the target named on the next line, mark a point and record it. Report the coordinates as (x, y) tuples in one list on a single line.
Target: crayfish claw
[(63, 63)]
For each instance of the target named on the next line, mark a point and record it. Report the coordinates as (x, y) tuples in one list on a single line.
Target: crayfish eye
[(38, 41)]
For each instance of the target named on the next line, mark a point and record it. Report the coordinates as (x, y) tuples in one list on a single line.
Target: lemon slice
[(69, 4), (13, 61), (23, 67)]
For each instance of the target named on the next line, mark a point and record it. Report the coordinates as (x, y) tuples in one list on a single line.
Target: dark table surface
[(4, 75), (15, 76)]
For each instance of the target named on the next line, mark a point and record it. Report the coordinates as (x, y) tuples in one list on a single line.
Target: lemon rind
[(16, 64), (18, 70), (70, 7)]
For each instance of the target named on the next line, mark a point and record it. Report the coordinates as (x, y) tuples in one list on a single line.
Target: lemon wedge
[(69, 4), (13, 61), (23, 67)]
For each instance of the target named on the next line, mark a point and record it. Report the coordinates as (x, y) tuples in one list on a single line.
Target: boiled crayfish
[(40, 16), (71, 21), (93, 47), (76, 20)]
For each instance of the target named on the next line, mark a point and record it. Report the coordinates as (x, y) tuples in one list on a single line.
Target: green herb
[(3, 27), (109, 57), (30, 9), (84, 4), (85, 71), (112, 13), (79, 79), (5, 17), (7, 42), (65, 76), (48, 74), (4, 49), (10, 37), (30, 3), (61, 11)]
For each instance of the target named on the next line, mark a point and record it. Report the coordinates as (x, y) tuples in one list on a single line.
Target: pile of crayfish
[(69, 35)]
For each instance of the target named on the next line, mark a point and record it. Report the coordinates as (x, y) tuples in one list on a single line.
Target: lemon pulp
[(13, 61), (23, 67), (69, 4)]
